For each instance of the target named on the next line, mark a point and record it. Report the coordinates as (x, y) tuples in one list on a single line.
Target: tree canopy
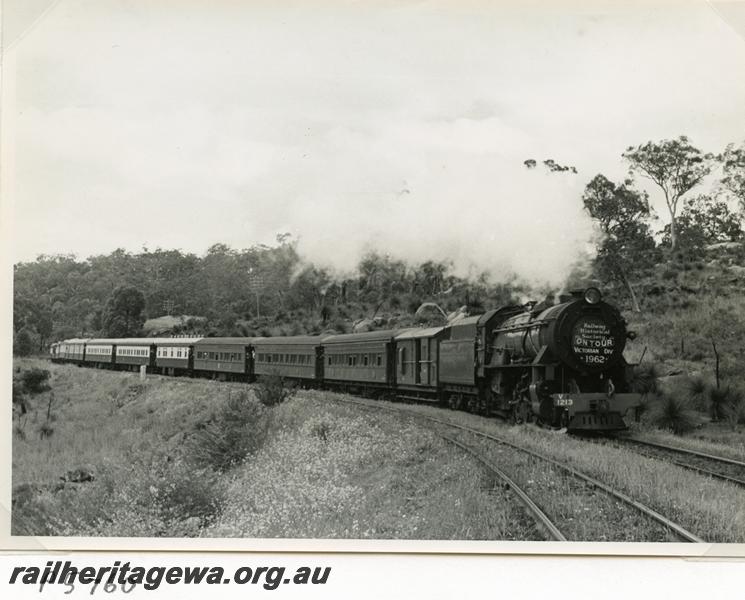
[(675, 166), (626, 245), (123, 314), (705, 220), (733, 170)]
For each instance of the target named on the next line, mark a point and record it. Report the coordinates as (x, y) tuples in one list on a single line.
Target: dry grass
[(712, 509), (323, 471), (717, 439), (332, 471), (132, 437)]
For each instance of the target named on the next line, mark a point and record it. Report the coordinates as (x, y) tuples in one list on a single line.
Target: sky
[(399, 127)]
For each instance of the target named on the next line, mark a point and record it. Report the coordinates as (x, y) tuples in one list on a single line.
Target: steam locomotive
[(560, 365)]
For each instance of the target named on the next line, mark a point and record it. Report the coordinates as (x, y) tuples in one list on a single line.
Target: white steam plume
[(437, 190)]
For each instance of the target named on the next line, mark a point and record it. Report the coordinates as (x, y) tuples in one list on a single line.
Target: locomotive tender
[(561, 365)]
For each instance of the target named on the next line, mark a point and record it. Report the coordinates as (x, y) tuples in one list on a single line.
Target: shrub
[(673, 414), (35, 380), (320, 429), (697, 392), (645, 379), (236, 430), (725, 404), (340, 325), (183, 492), (273, 389), (23, 345)]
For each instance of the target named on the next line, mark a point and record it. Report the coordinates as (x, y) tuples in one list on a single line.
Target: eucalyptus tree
[(675, 166)]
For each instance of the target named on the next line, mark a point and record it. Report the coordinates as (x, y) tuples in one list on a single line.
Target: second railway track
[(718, 467)]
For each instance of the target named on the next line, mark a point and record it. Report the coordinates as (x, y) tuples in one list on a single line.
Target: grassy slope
[(693, 303), (322, 471)]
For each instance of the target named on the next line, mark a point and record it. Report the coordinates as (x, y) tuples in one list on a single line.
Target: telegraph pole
[(256, 285)]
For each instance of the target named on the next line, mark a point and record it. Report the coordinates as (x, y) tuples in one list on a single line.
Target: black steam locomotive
[(561, 365)]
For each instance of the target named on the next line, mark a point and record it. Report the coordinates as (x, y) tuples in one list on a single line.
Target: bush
[(23, 345), (673, 414), (697, 392), (274, 389), (645, 379), (184, 492), (35, 380), (236, 430), (725, 404)]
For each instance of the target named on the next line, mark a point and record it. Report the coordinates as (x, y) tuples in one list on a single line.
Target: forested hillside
[(680, 279), (260, 290)]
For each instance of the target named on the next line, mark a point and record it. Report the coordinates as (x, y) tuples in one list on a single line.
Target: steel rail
[(714, 457), (538, 515), (526, 500), (698, 469), (671, 525)]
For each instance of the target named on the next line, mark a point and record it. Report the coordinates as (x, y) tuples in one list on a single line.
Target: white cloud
[(397, 127)]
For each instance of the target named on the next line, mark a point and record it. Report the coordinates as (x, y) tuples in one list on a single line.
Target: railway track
[(676, 529), (535, 511), (718, 467)]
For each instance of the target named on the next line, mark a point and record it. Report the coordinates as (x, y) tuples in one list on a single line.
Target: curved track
[(676, 529), (540, 517)]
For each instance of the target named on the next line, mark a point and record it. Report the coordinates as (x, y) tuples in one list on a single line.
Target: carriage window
[(366, 359), (403, 361)]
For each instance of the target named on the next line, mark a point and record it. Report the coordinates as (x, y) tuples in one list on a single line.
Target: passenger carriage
[(226, 357), (361, 358), (132, 353), (99, 352), (297, 357), (174, 355), (72, 350)]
